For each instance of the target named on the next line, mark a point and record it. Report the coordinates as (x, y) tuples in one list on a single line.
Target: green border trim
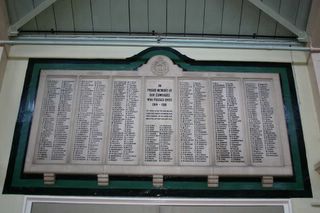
[(296, 186)]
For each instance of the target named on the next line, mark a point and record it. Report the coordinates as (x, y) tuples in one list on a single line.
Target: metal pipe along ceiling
[(151, 41)]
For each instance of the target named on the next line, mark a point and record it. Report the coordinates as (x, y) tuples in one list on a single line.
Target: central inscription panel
[(159, 120)]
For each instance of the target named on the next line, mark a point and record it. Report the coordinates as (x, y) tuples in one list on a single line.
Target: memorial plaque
[(159, 120), (125, 125), (194, 116), (159, 127)]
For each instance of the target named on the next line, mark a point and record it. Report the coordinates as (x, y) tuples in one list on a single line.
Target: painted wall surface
[(16, 69)]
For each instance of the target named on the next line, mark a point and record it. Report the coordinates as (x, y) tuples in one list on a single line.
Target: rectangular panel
[(120, 15), (82, 15), (101, 15), (262, 124), (176, 16), (125, 121), (55, 120), (157, 16), (231, 17), (89, 128), (195, 143), (64, 15), (139, 15), (229, 123), (213, 16), (194, 16), (140, 123), (159, 125)]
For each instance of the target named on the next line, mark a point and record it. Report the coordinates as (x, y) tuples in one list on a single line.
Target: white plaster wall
[(16, 68)]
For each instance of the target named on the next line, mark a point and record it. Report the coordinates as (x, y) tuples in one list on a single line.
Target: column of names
[(56, 112), (125, 115), (230, 148), (263, 134), (90, 121), (193, 122)]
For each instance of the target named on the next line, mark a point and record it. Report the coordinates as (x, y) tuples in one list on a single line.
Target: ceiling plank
[(30, 25), (231, 17), (13, 29), (82, 15), (176, 16), (194, 16), (302, 35), (139, 15), (120, 16), (45, 20), (267, 25), (18, 9), (213, 16), (101, 15), (157, 16), (303, 14), (249, 19), (64, 15)]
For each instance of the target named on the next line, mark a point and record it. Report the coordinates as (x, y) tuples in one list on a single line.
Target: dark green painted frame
[(296, 186)]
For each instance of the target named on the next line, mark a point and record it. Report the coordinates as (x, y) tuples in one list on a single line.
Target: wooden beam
[(13, 29), (302, 35)]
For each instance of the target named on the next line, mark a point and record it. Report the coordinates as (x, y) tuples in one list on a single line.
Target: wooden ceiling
[(165, 17)]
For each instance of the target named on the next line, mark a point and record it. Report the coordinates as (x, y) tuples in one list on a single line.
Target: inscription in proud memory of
[(159, 138)]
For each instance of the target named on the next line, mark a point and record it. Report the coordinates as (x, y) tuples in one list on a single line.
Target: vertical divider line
[(166, 17), (204, 16), (297, 12), (148, 14), (73, 124), (143, 129), (222, 14), (244, 112), (35, 18), (72, 11), (54, 17), (177, 124), (91, 15), (109, 134), (277, 24), (258, 25), (185, 17), (129, 15), (241, 13), (211, 134), (141, 146), (110, 15)]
